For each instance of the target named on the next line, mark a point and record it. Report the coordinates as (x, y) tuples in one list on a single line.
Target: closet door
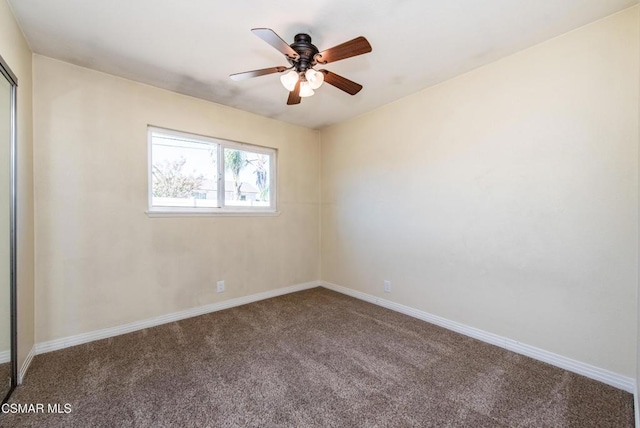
[(8, 84)]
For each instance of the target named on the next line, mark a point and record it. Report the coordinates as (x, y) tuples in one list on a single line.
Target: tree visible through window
[(170, 181), (191, 173), (249, 172)]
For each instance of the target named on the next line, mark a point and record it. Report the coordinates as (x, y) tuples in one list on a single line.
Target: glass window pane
[(184, 173), (247, 178)]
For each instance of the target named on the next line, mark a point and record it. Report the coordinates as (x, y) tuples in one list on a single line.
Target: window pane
[(184, 173), (247, 178)]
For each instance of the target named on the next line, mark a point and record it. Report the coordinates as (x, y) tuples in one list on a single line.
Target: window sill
[(153, 214)]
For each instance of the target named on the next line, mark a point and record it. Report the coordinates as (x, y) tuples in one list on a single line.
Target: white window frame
[(222, 209)]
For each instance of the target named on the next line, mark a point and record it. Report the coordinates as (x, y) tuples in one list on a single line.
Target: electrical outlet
[(387, 286), (220, 287)]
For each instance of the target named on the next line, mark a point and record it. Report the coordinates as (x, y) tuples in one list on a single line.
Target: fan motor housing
[(307, 51)]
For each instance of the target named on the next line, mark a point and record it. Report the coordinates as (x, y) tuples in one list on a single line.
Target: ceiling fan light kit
[(315, 78), (289, 80), (305, 89), (301, 79)]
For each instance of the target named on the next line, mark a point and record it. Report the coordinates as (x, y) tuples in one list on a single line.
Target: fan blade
[(269, 36), (256, 73), (357, 46), (294, 96), (342, 83)]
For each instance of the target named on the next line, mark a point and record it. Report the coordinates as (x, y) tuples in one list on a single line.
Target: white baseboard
[(5, 356), (614, 379), (25, 366), (610, 378), (65, 342)]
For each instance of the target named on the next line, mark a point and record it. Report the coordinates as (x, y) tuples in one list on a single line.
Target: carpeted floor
[(314, 358), (5, 379)]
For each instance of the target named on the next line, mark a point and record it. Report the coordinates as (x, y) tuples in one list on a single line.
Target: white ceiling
[(192, 46)]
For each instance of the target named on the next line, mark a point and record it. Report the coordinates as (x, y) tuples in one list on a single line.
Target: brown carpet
[(5, 379), (314, 358)]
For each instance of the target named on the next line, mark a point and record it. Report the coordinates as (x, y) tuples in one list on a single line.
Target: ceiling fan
[(301, 78)]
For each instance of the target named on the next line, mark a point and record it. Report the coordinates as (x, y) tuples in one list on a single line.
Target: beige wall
[(17, 54), (505, 199), (101, 261)]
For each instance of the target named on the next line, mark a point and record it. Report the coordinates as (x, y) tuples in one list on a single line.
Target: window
[(195, 174)]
